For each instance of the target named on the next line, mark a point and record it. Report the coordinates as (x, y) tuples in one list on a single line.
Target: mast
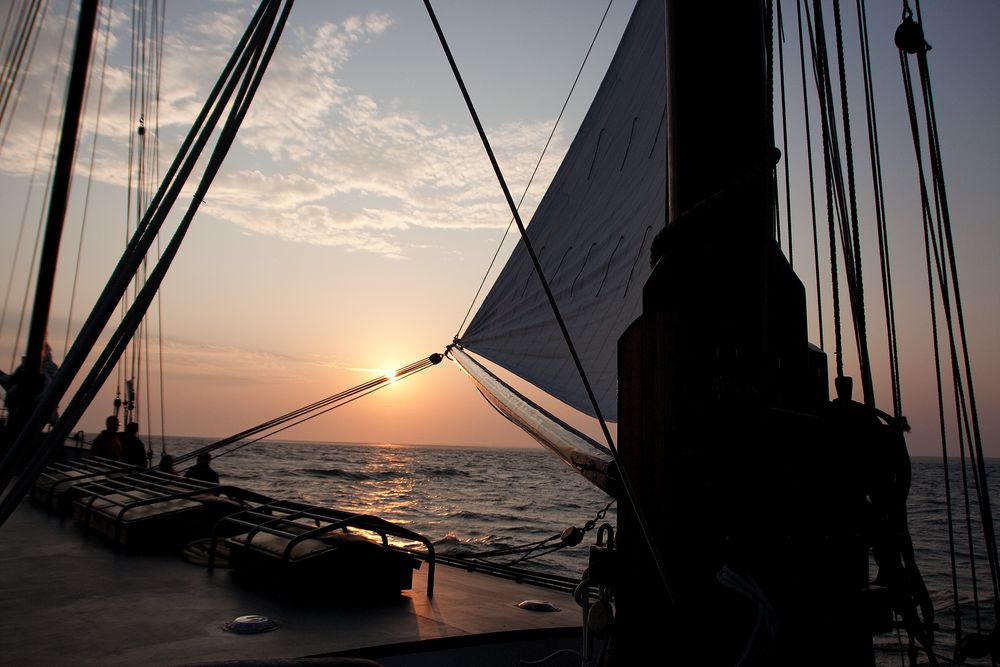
[(721, 399), (58, 202)]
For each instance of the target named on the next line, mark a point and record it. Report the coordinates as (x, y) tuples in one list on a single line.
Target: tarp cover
[(592, 231)]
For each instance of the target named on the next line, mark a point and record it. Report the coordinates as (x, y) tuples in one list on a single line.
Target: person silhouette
[(106, 444), (133, 451)]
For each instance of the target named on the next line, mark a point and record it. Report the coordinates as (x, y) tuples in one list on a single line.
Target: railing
[(283, 518)]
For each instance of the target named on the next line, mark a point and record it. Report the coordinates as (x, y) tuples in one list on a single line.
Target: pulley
[(910, 36), (603, 558)]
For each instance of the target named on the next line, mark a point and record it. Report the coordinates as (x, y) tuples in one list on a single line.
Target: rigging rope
[(626, 484), (841, 198), (812, 185), (534, 171), (12, 67), (6, 25), (311, 411), (932, 260), (245, 70), (784, 134), (159, 295), (566, 538), (819, 74), (942, 265), (875, 157), (857, 288), (27, 203), (90, 176)]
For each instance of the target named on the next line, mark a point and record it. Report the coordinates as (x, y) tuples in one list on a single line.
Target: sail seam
[(656, 137), (607, 270), (635, 263), (629, 144), (582, 267), (597, 149)]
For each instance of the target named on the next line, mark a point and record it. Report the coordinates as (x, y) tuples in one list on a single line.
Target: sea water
[(466, 500), (474, 500)]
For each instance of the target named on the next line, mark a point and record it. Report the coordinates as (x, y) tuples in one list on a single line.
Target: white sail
[(589, 458), (592, 231)]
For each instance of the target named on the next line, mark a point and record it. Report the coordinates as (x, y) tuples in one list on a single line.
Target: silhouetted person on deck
[(21, 395), (166, 464), (133, 451), (107, 444), (202, 470)]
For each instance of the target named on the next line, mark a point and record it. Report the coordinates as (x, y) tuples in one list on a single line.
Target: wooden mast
[(720, 398), (58, 202)]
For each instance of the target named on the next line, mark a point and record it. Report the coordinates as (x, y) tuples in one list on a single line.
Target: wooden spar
[(58, 202), (720, 397)]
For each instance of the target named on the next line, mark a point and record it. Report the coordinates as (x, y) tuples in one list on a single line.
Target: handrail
[(332, 520)]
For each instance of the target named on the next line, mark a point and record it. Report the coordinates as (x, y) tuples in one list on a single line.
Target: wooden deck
[(67, 597)]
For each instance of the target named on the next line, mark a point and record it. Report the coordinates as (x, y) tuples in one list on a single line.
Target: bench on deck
[(56, 487), (303, 548), (154, 509)]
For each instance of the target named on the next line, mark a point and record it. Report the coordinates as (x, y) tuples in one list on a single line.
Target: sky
[(357, 212)]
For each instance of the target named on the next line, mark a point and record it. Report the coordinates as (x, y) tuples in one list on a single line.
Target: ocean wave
[(331, 472), (441, 471), (352, 475)]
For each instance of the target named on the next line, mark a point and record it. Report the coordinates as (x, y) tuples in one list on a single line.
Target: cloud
[(233, 364), (316, 161)]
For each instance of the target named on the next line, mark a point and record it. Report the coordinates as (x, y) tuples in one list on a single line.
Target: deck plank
[(68, 597)]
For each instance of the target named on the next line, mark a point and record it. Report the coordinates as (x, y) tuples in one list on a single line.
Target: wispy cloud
[(240, 365), (319, 162)]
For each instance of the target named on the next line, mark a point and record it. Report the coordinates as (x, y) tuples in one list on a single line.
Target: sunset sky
[(357, 213)]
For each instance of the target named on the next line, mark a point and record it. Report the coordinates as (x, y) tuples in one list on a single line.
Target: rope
[(12, 67), (27, 203), (842, 195), (812, 185), (159, 295), (971, 413), (90, 177), (767, 30), (819, 70), (248, 64), (929, 253), (857, 286), (626, 484), (875, 156), (939, 246), (6, 24), (784, 134), (311, 411), (531, 550), (534, 171)]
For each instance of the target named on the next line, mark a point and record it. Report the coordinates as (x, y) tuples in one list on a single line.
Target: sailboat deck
[(68, 597)]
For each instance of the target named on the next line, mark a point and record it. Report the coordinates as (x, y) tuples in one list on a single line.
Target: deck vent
[(250, 625)]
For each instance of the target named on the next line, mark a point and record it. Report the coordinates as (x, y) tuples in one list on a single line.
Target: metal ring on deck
[(250, 625)]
